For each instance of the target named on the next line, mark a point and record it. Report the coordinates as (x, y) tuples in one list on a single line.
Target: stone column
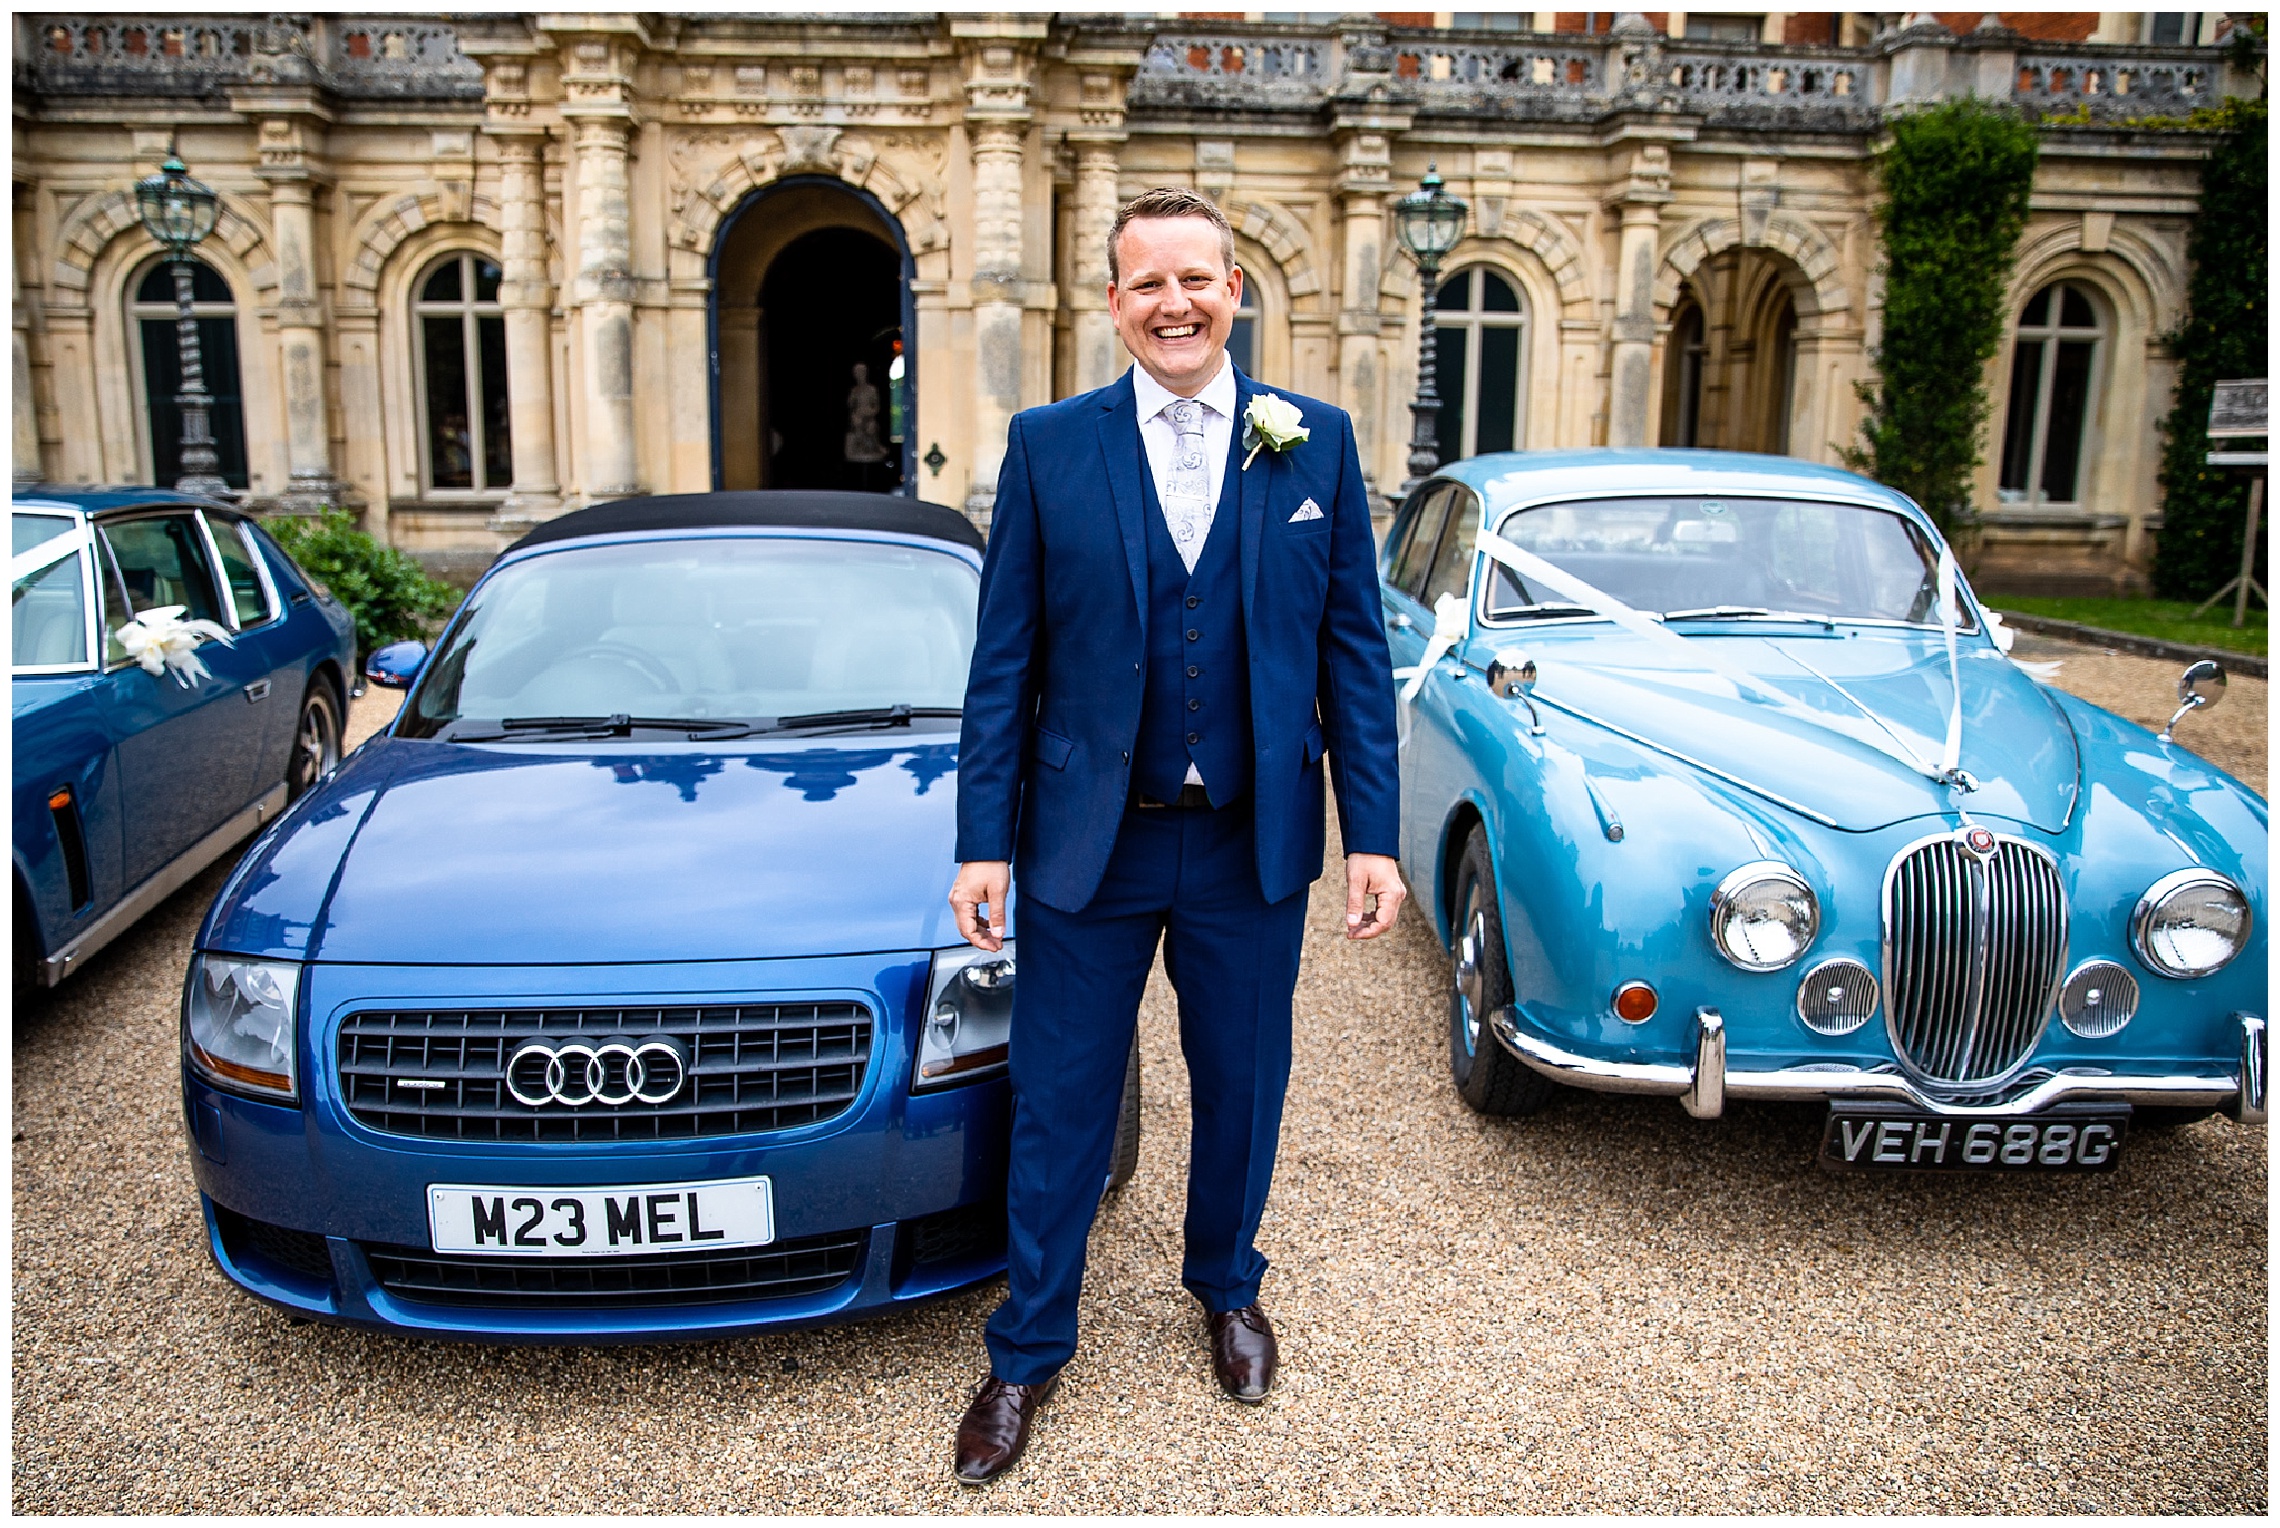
[(1365, 182), (528, 304), (1631, 360), (1099, 355), (598, 79), (27, 417), (1000, 54), (288, 145)]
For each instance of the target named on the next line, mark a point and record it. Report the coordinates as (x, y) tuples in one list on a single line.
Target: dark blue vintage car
[(612, 993), (128, 782), (1719, 784)]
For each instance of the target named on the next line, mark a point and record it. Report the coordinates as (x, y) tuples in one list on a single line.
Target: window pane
[(240, 574), (2169, 27), (1240, 342), (443, 286), (1490, 21), (49, 614), (2019, 424), (1496, 294), (162, 561), (31, 530), (2069, 414), (1416, 553), (2074, 310), (162, 380), (451, 462), (498, 449), (1456, 293), (206, 284), (1450, 373), (1452, 565), (2038, 309), (1499, 389), (486, 281)]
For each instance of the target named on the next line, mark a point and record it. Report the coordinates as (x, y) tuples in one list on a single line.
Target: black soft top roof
[(810, 509)]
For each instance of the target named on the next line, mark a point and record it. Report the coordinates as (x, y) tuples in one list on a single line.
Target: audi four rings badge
[(617, 1071)]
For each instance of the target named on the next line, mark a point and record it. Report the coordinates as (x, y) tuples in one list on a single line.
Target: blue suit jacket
[(1053, 703)]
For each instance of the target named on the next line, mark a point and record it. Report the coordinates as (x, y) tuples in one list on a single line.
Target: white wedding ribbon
[(162, 642), (1452, 623)]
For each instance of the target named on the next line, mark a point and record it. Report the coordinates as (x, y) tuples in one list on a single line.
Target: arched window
[(1243, 339), (2054, 366), (461, 350), (1682, 377), (1481, 350), (155, 330)]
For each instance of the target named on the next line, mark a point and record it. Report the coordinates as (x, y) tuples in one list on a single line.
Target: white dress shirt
[(1151, 397)]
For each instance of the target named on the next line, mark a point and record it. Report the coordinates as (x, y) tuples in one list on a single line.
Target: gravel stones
[(1610, 1307)]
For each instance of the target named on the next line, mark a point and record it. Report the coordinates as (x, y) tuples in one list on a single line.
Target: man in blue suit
[(1179, 616)]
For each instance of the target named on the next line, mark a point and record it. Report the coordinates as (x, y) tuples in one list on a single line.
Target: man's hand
[(1367, 875), (983, 883)]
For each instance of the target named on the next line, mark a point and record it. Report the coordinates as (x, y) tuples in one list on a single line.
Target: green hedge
[(1955, 182), (2224, 336), (391, 596)]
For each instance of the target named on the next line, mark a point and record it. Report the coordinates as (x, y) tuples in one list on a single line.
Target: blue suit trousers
[(1188, 877)]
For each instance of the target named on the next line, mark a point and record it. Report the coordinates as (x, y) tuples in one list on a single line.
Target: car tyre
[(1124, 1161), (316, 741), (1488, 1077)]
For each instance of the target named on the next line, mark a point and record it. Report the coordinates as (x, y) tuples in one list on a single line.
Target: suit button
[(1135, 668), (1194, 738), (1195, 705), (1193, 601), (1193, 671), (1128, 756), (1193, 634)]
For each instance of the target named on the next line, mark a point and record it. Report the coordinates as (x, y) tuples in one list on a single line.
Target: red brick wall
[(1602, 21), (1406, 18), (1811, 29), (2042, 26)]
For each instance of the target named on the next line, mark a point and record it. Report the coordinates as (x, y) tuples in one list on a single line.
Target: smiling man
[(1179, 617)]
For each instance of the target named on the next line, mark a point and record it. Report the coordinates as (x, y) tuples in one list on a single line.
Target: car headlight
[(1764, 916), (969, 1017), (237, 1023), (2189, 923)]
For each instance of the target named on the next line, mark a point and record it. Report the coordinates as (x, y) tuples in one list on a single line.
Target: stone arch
[(1822, 293), (1556, 248), (1284, 238), (110, 215), (387, 224), (696, 212), (2137, 273)]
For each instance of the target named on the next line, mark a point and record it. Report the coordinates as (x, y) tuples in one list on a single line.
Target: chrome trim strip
[(163, 883), (1705, 1097), (2249, 1105), (1583, 1071)]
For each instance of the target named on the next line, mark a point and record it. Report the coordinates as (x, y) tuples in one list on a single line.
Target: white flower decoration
[(162, 642), (1271, 422)]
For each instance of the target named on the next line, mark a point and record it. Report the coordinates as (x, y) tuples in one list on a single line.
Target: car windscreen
[(716, 629), (1735, 557)]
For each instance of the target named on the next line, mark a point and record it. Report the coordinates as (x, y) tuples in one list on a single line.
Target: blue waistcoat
[(1197, 703)]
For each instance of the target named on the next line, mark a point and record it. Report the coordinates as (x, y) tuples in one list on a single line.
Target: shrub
[(2224, 336), (390, 595), (1955, 183)]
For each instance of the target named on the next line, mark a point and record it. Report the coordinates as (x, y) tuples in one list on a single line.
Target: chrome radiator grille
[(1973, 950)]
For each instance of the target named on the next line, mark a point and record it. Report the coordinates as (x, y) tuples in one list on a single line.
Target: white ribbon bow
[(160, 640), (1452, 621)]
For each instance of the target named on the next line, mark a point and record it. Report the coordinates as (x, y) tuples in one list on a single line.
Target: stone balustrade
[(377, 57), (2109, 83)]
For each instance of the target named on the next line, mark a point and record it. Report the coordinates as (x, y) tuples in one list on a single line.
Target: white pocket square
[(1307, 511)]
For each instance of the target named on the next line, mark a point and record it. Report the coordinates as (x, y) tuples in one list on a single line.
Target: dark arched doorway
[(813, 377)]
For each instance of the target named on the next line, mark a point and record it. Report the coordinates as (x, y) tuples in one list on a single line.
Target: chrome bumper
[(1703, 1088)]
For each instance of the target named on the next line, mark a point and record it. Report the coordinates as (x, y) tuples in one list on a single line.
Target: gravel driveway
[(1609, 1307)]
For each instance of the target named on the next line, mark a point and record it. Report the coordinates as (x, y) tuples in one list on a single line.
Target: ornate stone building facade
[(468, 275)]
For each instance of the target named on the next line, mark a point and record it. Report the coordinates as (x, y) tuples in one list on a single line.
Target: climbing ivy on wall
[(1955, 182), (2224, 336)]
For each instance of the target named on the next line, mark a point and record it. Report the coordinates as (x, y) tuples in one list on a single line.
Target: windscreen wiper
[(617, 725), (1537, 612), (1746, 613), (871, 716)]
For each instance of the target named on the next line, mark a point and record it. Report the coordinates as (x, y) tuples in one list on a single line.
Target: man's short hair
[(1170, 202)]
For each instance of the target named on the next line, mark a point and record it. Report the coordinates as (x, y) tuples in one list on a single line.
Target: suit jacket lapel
[(1254, 494), (1120, 451)]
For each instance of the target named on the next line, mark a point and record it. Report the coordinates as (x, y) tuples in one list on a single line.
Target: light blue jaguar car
[(1712, 794)]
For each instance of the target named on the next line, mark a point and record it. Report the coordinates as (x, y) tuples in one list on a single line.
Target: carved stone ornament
[(810, 149)]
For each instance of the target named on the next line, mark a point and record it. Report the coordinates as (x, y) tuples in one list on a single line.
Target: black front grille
[(782, 1271), (301, 1252), (960, 1235), (752, 1066)]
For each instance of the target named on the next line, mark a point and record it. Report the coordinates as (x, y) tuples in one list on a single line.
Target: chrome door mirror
[(1512, 676), (2199, 686)]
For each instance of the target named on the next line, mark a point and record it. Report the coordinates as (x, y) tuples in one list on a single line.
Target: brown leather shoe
[(995, 1428), (1242, 1352)]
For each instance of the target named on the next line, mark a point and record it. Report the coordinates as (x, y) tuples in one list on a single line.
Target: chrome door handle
[(257, 691), (1399, 622)]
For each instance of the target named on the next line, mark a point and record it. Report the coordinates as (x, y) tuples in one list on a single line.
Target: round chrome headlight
[(1763, 916), (2189, 923)]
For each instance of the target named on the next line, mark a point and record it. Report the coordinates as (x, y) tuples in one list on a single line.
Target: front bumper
[(1703, 1087)]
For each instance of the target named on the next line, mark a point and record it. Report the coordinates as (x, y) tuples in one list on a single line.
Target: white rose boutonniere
[(1271, 422)]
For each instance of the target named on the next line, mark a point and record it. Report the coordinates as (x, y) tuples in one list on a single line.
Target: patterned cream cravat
[(1188, 509)]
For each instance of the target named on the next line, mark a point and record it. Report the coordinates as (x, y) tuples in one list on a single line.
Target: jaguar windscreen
[(719, 630), (1726, 558)]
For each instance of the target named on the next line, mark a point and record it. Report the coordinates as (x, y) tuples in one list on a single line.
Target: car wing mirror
[(1512, 676), (2200, 686), (395, 666)]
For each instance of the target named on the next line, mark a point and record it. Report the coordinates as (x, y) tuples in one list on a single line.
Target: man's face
[(1174, 299)]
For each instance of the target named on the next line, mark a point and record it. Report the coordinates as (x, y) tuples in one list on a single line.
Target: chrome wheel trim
[(316, 744), (1467, 994)]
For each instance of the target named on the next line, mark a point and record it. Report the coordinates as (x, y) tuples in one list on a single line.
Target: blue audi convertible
[(1719, 784), (611, 993)]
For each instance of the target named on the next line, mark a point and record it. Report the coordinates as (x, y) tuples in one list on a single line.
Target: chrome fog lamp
[(237, 1024), (2098, 999), (2190, 923), (969, 1017), (1764, 916)]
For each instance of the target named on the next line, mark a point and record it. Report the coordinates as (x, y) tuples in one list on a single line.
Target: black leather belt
[(1191, 795)]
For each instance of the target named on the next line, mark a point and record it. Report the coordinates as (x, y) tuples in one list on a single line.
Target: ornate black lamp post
[(1429, 222), (179, 212)]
